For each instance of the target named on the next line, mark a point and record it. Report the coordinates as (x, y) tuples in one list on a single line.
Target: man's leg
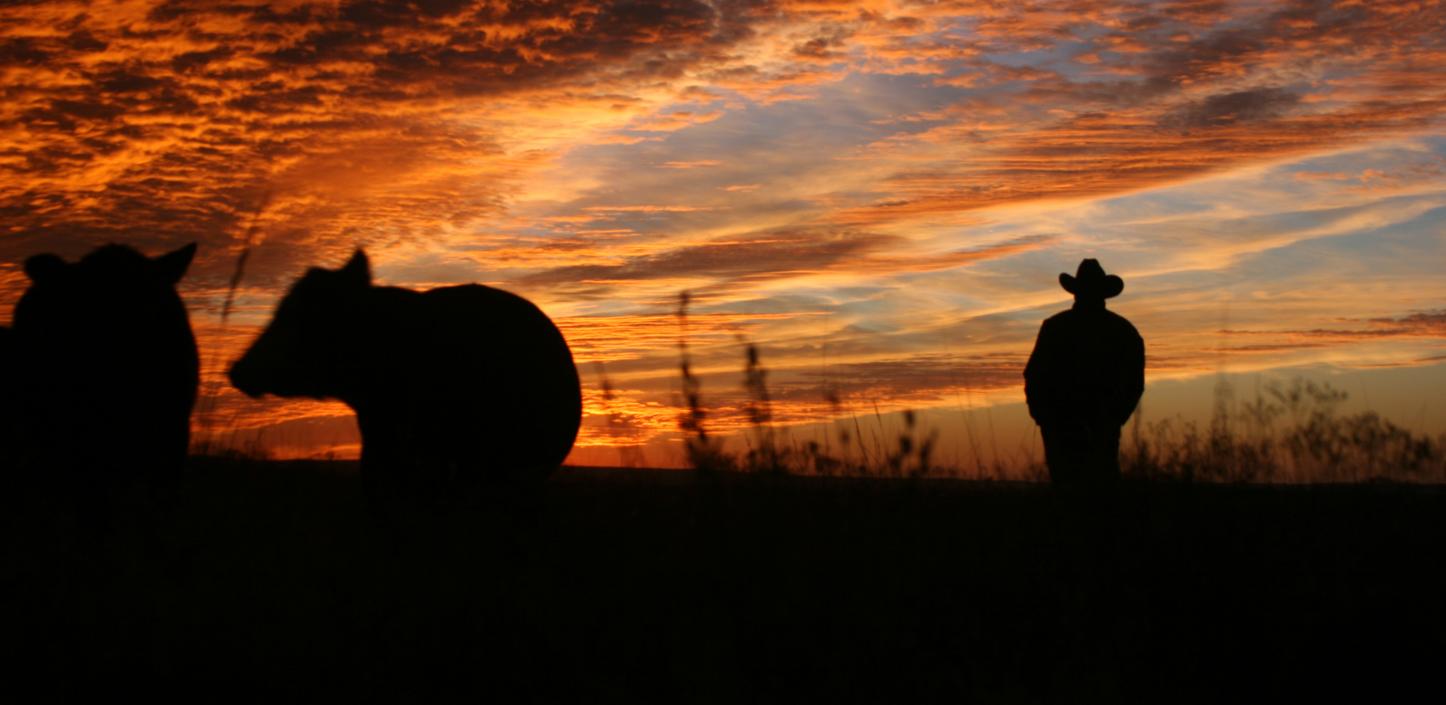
[(1102, 466), (1064, 453)]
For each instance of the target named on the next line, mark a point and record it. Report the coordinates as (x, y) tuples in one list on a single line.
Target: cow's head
[(314, 338), (114, 298)]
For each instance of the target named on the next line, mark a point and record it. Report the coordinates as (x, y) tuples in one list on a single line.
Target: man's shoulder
[(1061, 317), (1118, 318), (1121, 323), (1070, 317)]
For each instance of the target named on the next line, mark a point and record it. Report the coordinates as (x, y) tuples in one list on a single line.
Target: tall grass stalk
[(704, 453), (206, 408), (910, 456)]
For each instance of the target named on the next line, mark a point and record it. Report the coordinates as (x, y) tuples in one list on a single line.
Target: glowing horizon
[(880, 194)]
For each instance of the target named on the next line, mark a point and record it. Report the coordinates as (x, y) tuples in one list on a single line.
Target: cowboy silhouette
[(1083, 380)]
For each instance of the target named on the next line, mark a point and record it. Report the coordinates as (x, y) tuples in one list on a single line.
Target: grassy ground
[(271, 582)]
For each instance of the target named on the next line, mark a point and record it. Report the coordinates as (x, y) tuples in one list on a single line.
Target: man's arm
[(1132, 374), (1037, 373)]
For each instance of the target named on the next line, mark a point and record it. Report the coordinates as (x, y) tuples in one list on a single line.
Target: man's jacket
[(1087, 369)]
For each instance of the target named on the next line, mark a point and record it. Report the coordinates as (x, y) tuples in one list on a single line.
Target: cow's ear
[(172, 265), (42, 267), (357, 271)]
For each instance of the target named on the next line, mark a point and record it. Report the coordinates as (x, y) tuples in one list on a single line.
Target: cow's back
[(495, 378)]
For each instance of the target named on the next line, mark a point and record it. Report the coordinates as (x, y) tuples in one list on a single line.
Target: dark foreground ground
[(272, 583)]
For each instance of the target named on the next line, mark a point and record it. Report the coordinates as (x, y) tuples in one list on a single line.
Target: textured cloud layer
[(880, 192)]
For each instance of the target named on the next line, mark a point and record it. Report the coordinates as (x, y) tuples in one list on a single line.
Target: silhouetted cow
[(102, 369), (450, 385)]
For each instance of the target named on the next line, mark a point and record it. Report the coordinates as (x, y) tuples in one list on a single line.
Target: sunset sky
[(880, 194)]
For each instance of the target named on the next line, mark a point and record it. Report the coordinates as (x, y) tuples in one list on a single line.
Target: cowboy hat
[(1090, 280)]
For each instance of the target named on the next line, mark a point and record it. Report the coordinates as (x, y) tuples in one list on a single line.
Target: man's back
[(1088, 363)]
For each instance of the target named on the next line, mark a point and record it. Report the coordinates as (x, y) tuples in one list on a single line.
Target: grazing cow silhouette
[(102, 369), (1084, 378), (450, 386)]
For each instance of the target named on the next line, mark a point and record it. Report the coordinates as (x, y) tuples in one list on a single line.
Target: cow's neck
[(389, 319)]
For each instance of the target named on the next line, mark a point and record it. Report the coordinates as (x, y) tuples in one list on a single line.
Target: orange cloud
[(791, 160), (694, 164)]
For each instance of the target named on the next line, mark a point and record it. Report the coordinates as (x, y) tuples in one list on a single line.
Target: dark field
[(272, 583)]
